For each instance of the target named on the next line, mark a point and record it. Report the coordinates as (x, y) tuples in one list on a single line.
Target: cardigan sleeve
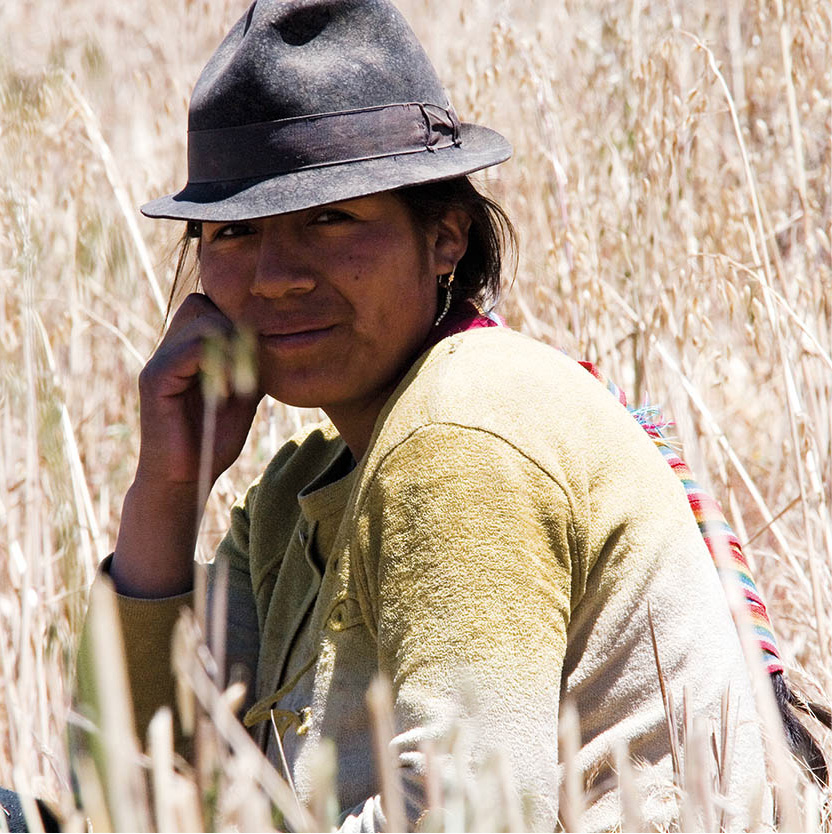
[(463, 563), (147, 628)]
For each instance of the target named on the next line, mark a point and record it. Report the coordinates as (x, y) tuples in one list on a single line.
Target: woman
[(478, 518)]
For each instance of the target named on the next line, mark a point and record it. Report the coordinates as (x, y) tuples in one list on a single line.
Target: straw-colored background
[(672, 188)]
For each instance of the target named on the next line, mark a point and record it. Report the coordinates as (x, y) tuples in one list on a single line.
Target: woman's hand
[(195, 363), (193, 383)]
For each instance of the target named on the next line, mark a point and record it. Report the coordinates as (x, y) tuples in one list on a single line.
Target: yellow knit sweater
[(493, 554)]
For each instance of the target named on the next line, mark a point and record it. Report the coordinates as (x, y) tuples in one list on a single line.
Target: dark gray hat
[(307, 102)]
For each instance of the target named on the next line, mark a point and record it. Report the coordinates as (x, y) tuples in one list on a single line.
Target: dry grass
[(672, 185)]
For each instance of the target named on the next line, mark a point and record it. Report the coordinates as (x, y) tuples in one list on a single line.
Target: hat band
[(285, 145)]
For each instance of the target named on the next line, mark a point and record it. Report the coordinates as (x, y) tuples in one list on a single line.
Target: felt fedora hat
[(307, 102)]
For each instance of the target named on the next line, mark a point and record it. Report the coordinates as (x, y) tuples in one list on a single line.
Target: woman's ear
[(451, 240)]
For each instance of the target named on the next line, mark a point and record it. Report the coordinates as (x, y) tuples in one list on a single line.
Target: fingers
[(196, 317), (202, 345), (202, 362)]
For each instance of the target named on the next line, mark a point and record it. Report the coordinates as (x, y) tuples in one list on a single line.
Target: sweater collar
[(462, 317)]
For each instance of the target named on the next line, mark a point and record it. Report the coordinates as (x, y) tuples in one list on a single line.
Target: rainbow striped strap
[(715, 530)]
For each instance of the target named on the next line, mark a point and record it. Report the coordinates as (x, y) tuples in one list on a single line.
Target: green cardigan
[(493, 553)]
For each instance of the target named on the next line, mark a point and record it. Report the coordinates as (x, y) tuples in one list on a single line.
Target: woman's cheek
[(225, 289)]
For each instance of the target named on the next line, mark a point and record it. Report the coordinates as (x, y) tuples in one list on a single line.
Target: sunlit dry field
[(672, 189)]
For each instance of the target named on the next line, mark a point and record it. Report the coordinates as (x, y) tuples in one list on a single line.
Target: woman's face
[(341, 296)]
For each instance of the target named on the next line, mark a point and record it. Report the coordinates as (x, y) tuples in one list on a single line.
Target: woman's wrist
[(155, 548)]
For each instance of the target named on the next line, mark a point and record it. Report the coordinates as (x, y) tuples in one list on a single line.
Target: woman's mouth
[(297, 339)]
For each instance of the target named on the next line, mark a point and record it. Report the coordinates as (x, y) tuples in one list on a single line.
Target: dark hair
[(479, 272), (184, 270), (800, 740)]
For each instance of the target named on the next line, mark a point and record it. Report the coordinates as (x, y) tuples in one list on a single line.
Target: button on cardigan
[(494, 553)]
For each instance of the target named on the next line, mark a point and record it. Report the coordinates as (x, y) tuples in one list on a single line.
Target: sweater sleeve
[(147, 628), (465, 556)]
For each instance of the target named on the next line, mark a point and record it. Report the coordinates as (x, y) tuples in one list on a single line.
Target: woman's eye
[(232, 230), (330, 216)]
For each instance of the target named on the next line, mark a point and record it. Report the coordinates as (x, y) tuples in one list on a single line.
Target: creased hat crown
[(307, 102), (289, 58)]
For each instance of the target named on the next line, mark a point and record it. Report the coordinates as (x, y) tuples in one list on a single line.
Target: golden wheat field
[(672, 189)]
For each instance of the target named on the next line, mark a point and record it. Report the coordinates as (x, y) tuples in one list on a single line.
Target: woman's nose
[(283, 263)]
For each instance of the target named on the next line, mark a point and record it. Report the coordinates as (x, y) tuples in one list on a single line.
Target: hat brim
[(480, 148)]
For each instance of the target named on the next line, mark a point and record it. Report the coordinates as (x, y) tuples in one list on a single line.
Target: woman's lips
[(297, 338)]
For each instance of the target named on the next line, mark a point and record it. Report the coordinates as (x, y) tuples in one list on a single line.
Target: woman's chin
[(304, 391)]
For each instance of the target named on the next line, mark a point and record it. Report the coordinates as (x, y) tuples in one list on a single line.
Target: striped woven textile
[(715, 530)]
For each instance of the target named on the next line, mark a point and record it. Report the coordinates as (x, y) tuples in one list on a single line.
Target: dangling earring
[(445, 282)]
